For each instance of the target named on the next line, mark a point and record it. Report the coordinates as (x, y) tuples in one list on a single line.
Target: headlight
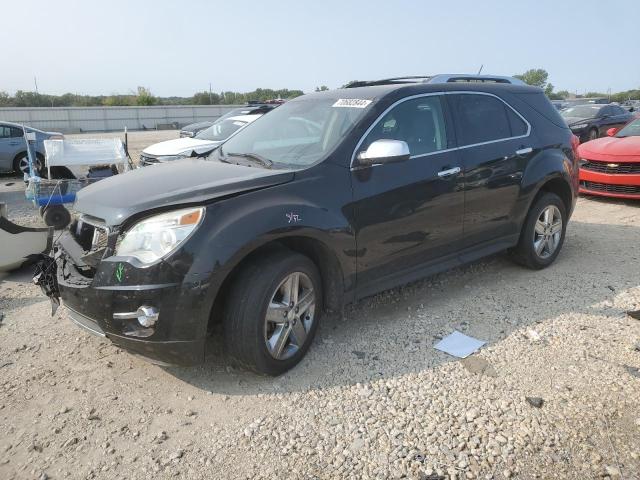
[(156, 237), (169, 158), (579, 126)]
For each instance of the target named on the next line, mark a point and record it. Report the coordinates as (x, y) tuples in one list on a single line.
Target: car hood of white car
[(180, 146)]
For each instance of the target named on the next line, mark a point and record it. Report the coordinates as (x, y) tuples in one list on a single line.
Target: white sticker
[(352, 103)]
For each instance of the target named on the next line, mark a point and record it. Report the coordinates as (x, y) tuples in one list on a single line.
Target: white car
[(204, 142)]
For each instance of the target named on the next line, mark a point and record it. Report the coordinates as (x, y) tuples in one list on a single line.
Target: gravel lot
[(372, 399)]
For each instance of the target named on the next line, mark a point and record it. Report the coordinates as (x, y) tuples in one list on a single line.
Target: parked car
[(193, 129), (610, 166), (331, 197), (13, 147), (202, 144), (591, 121)]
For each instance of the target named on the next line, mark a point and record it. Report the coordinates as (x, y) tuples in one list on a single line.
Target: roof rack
[(441, 78)]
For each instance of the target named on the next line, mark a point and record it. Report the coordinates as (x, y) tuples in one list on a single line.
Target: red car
[(610, 166)]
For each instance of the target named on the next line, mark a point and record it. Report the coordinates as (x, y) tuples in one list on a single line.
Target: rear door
[(495, 146), (408, 213)]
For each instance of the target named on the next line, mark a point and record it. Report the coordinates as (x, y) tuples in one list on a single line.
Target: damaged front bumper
[(104, 297)]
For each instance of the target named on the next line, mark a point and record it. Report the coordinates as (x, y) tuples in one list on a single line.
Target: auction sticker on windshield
[(352, 103)]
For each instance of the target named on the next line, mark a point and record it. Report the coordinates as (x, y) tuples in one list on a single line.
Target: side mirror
[(612, 132), (384, 151)]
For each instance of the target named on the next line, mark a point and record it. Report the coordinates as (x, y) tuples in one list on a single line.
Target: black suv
[(331, 197)]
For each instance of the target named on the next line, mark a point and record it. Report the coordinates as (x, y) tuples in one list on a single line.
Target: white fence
[(105, 119)]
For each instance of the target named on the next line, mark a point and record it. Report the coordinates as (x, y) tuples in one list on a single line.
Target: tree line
[(142, 97), (539, 77)]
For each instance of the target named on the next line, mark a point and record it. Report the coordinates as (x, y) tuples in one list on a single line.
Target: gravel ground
[(554, 394)]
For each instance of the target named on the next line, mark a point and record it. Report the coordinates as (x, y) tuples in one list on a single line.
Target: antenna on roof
[(480, 71)]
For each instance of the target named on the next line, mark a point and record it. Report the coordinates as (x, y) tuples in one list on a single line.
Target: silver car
[(13, 147)]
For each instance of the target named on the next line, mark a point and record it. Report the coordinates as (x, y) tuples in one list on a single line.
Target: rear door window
[(483, 118)]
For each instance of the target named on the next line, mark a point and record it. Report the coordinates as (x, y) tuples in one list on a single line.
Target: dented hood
[(194, 180)]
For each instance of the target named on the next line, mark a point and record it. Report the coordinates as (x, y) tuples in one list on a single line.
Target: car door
[(9, 147), (495, 146), (408, 213)]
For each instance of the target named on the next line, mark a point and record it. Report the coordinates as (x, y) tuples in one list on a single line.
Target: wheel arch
[(318, 252)]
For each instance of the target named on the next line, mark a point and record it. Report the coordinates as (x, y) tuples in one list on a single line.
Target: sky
[(178, 47)]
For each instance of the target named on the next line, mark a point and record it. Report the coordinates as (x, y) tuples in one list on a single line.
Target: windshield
[(581, 111), (630, 130), (300, 132), (221, 130)]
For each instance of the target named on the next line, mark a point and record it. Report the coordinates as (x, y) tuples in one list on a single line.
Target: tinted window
[(518, 127), (481, 118), (617, 110), (16, 132), (5, 132), (419, 122)]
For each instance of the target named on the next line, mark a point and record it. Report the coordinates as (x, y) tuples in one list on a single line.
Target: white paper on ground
[(459, 345)]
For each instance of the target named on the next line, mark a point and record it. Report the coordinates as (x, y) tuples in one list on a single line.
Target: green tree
[(144, 97), (206, 98), (322, 88), (535, 76)]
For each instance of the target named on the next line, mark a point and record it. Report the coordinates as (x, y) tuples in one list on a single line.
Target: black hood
[(180, 182)]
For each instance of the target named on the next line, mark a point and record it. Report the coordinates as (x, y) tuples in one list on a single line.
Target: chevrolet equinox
[(331, 197)]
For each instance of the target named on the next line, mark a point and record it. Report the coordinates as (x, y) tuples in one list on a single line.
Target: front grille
[(90, 233), (609, 188), (615, 168)]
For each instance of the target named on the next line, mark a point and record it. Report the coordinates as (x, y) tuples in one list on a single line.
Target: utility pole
[(210, 98), (35, 80)]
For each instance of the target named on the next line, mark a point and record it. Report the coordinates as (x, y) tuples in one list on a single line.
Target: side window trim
[(448, 115)]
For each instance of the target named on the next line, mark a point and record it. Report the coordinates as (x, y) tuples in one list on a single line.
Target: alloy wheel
[(547, 232), (290, 315), (23, 164)]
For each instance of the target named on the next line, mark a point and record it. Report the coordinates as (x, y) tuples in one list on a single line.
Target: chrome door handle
[(524, 151), (449, 172)]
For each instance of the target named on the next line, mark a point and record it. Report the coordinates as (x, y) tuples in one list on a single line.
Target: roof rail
[(440, 78)]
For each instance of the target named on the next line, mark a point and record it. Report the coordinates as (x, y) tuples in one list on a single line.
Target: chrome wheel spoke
[(307, 300), (278, 340), (539, 245), (556, 227), (277, 312), (539, 227), (298, 333)]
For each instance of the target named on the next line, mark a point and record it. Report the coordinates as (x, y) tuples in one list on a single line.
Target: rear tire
[(543, 233), (56, 216), (264, 329), (21, 164)]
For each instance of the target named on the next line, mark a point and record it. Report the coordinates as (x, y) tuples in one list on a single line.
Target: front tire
[(272, 312), (543, 233)]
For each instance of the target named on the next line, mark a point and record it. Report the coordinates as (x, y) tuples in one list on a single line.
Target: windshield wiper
[(265, 162)]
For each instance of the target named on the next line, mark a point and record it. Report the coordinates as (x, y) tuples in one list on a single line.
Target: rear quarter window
[(541, 104)]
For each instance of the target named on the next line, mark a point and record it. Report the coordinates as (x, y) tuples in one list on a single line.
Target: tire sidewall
[(543, 202)]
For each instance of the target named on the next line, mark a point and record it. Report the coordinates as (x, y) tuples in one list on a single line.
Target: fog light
[(147, 316)]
